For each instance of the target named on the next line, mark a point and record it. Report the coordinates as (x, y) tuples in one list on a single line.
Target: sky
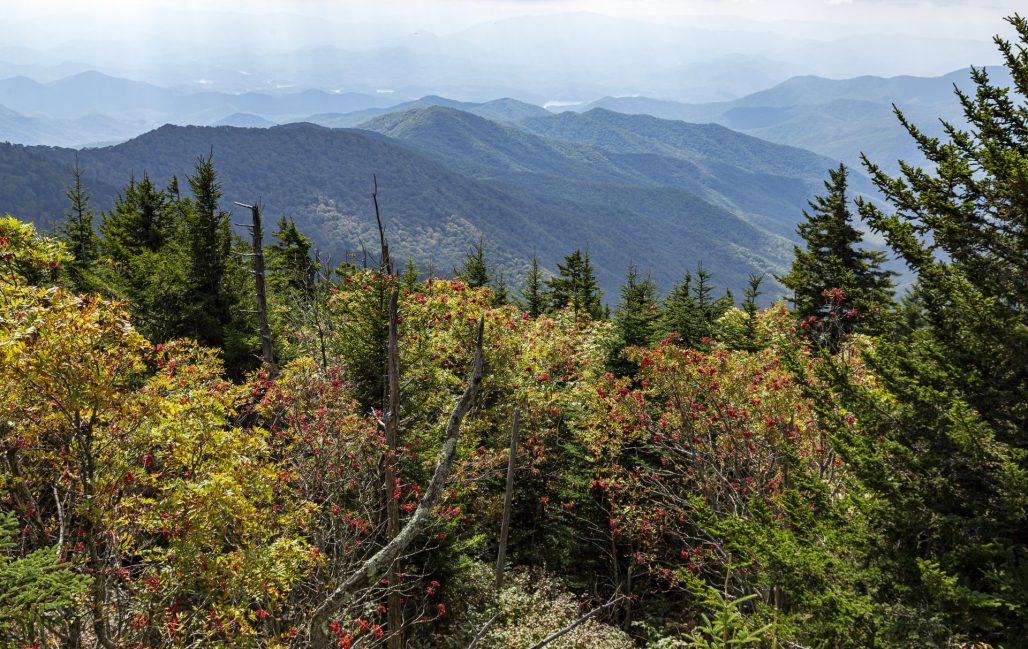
[(979, 17), (453, 43), (967, 18)]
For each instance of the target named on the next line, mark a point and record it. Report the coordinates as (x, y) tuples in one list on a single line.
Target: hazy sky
[(965, 18), (453, 45)]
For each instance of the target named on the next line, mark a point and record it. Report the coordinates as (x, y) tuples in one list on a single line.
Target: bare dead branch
[(574, 625), (418, 521), (501, 553), (481, 632)]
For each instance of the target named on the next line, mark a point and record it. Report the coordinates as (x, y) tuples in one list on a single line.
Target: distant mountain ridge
[(90, 92), (838, 118), (502, 110), (91, 107), (523, 193)]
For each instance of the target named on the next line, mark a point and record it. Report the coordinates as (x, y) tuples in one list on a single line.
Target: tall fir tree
[(474, 271), (533, 295), (207, 235), (691, 311), (942, 437), (289, 259), (142, 261), (635, 319), (77, 231), (834, 259), (575, 286), (751, 308), (141, 221)]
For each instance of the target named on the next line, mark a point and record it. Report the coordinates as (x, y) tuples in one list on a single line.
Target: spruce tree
[(691, 311), (207, 236), (635, 319), (144, 264), (410, 275), (500, 294), (141, 221), (943, 433), (289, 260), (172, 189), (474, 271), (533, 296), (750, 307), (576, 287), (33, 587), (833, 259), (78, 233)]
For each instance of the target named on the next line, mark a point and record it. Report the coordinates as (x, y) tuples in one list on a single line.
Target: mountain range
[(722, 182), (839, 118), (628, 189)]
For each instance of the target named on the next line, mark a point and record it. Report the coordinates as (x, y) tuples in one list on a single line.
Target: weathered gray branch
[(481, 632), (501, 553), (382, 559), (267, 353), (574, 625)]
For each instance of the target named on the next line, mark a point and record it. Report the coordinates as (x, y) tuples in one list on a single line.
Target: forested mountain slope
[(437, 206), (839, 118)]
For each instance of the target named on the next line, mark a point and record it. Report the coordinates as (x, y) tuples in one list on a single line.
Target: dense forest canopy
[(498, 460)]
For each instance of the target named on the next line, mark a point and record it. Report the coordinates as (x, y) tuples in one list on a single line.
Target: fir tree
[(635, 320), (78, 233), (32, 588), (173, 190), (410, 275), (289, 260), (208, 237), (140, 266), (473, 271), (833, 259), (691, 311), (533, 296), (749, 306), (141, 221), (576, 287), (500, 294), (950, 467)]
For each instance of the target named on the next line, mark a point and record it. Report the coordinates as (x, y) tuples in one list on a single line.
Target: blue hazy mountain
[(523, 194), (839, 118)]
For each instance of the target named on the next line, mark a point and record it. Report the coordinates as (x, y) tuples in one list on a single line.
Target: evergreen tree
[(33, 588), (141, 221), (173, 190), (833, 259), (500, 294), (950, 467), (143, 263), (473, 271), (207, 235), (576, 287), (691, 311), (290, 262), (749, 306), (78, 233), (635, 320), (533, 296), (410, 275), (678, 312)]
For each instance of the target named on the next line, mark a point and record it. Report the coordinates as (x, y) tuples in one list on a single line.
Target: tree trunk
[(501, 554)]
